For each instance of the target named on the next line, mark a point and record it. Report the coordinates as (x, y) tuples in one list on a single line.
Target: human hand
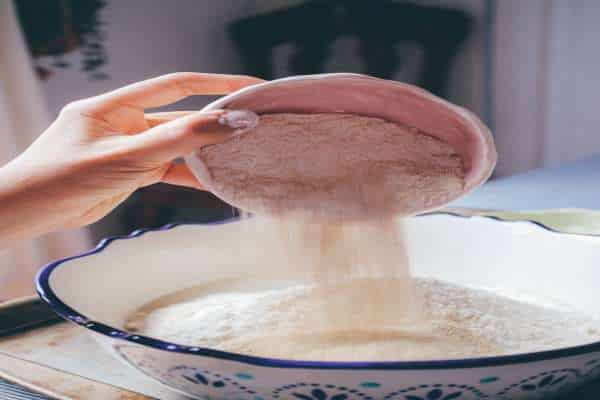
[(101, 149)]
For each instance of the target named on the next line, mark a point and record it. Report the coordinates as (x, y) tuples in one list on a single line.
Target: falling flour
[(327, 187)]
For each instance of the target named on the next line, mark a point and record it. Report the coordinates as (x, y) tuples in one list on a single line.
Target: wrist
[(23, 214)]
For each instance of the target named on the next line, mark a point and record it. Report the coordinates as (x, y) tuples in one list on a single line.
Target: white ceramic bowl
[(99, 289)]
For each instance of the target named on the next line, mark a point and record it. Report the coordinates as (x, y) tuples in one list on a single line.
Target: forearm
[(24, 211)]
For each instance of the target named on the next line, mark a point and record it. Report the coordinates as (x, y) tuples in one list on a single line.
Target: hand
[(99, 150)]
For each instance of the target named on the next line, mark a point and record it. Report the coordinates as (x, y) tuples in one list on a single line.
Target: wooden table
[(59, 385), (38, 350)]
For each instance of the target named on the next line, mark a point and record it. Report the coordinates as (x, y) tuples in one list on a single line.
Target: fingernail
[(239, 120)]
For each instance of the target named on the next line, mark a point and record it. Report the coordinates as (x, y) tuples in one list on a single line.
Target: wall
[(519, 82), (146, 38), (573, 113), (546, 83)]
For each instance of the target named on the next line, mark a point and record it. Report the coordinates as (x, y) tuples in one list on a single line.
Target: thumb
[(184, 135)]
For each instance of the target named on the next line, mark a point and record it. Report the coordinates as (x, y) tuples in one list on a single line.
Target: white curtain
[(23, 116)]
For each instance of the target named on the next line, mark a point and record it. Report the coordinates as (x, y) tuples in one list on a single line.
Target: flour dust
[(361, 269)]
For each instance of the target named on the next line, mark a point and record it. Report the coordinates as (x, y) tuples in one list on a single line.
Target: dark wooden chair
[(379, 25)]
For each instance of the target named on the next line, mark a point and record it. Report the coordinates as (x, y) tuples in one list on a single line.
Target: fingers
[(170, 88), (180, 175), (189, 133), (154, 119)]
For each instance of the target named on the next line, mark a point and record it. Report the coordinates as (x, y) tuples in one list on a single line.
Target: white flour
[(286, 323), (513, 325)]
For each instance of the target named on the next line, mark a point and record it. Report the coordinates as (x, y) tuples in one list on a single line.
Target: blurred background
[(528, 68)]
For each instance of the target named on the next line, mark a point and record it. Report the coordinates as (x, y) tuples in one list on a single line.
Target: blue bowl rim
[(66, 312)]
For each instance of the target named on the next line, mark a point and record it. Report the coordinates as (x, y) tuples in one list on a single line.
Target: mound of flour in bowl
[(287, 323)]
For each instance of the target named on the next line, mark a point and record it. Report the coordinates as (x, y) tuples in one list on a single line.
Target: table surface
[(573, 185), (56, 384), (60, 347)]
